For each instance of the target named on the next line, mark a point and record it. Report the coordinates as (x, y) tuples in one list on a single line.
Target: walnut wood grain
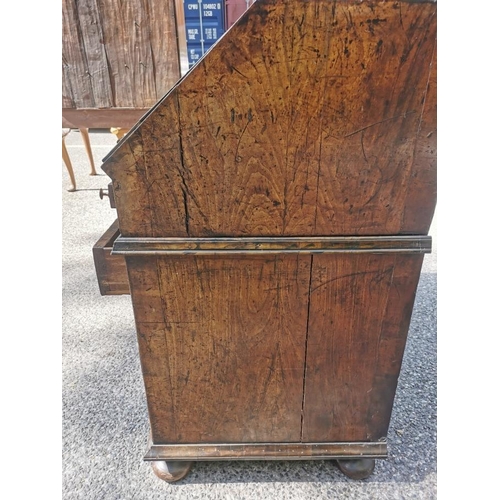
[(360, 310), (306, 118), (221, 341), (304, 140)]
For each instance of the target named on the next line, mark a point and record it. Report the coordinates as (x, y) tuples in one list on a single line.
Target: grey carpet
[(105, 424)]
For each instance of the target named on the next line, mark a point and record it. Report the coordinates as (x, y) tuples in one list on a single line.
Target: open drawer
[(111, 270)]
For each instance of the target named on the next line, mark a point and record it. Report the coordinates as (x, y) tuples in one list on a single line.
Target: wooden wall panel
[(95, 54), (304, 120), (222, 345), (77, 89), (118, 54), (164, 45), (360, 312)]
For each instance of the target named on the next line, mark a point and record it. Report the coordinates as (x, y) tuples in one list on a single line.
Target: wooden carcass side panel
[(222, 343), (360, 313), (306, 118)]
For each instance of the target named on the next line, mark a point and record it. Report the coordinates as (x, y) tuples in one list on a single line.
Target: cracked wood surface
[(306, 118), (118, 54), (222, 345), (360, 311), (298, 348)]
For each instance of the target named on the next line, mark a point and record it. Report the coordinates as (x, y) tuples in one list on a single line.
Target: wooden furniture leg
[(86, 141), (67, 162), (171, 471), (360, 468)]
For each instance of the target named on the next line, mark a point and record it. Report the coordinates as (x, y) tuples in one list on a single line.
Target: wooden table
[(118, 121)]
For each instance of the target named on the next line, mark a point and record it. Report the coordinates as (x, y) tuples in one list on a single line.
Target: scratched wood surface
[(360, 311), (307, 118), (222, 343), (118, 54)]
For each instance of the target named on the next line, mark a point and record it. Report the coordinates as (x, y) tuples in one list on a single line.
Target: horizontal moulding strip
[(267, 451), (265, 245)]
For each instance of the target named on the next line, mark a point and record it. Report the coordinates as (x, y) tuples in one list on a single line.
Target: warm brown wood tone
[(222, 342), (88, 149), (111, 270), (273, 211), (193, 246), (317, 125), (101, 118), (118, 54), (67, 162), (171, 471), (359, 315), (267, 451)]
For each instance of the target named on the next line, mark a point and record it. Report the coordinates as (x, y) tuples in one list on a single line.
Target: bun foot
[(171, 471), (360, 468)]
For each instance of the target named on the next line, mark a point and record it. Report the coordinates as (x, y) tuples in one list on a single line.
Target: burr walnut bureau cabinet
[(273, 211)]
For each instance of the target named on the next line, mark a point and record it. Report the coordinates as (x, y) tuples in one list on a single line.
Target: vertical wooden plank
[(78, 90), (67, 94), (166, 173), (419, 210), (143, 79), (162, 33), (359, 315), (141, 49), (144, 281), (92, 38), (392, 342), (226, 362), (116, 37), (383, 55), (118, 54)]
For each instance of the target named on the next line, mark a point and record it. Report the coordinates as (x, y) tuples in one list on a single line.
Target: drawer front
[(111, 270)]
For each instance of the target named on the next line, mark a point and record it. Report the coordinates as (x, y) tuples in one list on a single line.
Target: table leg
[(67, 162), (86, 141)]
